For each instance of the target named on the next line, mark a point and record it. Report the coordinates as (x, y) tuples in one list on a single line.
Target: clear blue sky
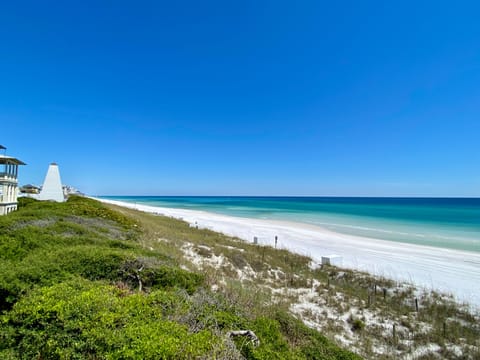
[(378, 98)]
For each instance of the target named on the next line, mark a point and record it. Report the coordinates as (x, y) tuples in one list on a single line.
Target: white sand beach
[(450, 271)]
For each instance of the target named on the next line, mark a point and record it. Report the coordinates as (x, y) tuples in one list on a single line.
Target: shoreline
[(449, 271)]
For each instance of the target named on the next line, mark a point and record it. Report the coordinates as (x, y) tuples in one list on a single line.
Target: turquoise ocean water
[(452, 223)]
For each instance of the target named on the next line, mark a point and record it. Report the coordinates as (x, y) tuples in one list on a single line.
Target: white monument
[(52, 186), (8, 182)]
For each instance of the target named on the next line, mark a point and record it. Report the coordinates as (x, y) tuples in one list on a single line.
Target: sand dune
[(450, 271)]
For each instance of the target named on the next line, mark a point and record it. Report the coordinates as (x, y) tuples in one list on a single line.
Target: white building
[(52, 186), (8, 182)]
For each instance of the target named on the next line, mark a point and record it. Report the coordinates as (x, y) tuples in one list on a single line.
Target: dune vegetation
[(375, 317), (81, 280)]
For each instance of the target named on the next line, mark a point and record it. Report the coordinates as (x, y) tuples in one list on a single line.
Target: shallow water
[(452, 223)]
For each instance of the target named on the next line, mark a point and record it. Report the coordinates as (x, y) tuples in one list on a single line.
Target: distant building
[(70, 190), (8, 182), (29, 189), (52, 186)]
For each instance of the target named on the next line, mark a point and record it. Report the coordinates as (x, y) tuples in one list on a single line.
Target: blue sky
[(372, 98)]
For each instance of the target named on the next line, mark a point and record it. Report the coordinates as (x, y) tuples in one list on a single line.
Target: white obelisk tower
[(52, 186)]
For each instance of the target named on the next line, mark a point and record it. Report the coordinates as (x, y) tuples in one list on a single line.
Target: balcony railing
[(6, 175)]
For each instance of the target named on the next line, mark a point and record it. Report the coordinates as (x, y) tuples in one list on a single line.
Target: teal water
[(452, 223)]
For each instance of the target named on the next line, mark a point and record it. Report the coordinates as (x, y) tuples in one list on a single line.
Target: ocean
[(452, 223)]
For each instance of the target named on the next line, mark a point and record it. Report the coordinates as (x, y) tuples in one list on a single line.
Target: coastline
[(454, 272)]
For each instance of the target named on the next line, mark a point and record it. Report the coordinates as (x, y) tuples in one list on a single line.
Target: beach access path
[(450, 271)]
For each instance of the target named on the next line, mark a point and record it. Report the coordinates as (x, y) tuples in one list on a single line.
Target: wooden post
[(292, 273), (394, 333), (375, 288), (416, 304), (384, 293)]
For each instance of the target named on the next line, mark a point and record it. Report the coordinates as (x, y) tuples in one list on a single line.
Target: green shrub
[(273, 344), (170, 277), (46, 242), (25, 201), (358, 325), (69, 290), (80, 319)]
